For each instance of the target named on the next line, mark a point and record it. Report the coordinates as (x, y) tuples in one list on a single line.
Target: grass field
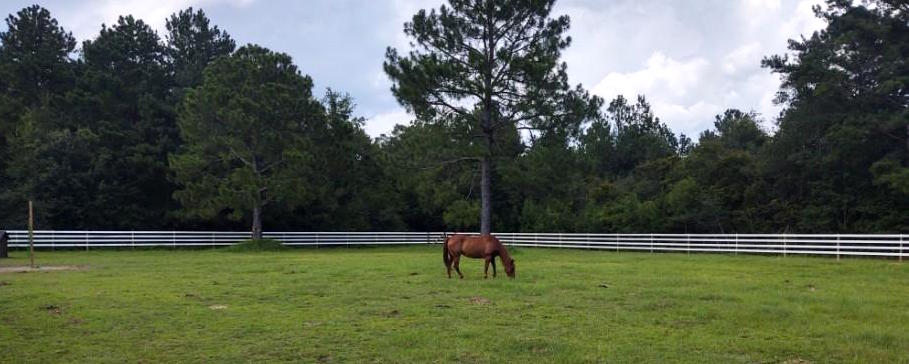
[(395, 305)]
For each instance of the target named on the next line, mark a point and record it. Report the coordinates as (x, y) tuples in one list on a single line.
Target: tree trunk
[(488, 107), (257, 223), (486, 195)]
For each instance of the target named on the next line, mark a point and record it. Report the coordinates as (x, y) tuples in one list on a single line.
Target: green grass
[(395, 305)]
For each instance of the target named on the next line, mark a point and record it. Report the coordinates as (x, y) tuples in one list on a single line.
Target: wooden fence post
[(31, 234), (4, 244)]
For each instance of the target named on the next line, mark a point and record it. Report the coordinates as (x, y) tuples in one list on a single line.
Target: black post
[(4, 244)]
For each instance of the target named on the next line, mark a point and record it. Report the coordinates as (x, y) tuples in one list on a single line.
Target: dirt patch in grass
[(53, 309), (795, 361), (480, 300), (42, 268), (393, 313)]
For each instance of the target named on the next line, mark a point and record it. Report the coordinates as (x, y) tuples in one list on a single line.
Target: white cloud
[(763, 4), (745, 57), (692, 60), (384, 123), (689, 119), (804, 22), (661, 74), (85, 21), (673, 88)]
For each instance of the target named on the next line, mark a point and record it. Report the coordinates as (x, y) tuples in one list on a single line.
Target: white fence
[(52, 239), (881, 245)]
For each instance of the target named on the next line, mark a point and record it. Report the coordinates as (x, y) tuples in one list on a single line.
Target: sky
[(692, 59)]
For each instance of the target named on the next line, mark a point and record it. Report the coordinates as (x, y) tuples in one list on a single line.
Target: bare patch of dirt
[(480, 300), (795, 361), (4, 283), (466, 357), (41, 268), (52, 309), (218, 307)]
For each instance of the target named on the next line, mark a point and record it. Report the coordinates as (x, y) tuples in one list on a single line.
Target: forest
[(187, 130)]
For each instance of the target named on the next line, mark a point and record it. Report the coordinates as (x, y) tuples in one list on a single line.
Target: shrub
[(256, 245)]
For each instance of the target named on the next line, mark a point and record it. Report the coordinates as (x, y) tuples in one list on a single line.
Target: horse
[(483, 246)]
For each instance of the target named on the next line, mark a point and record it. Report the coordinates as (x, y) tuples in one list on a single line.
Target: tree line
[(132, 130)]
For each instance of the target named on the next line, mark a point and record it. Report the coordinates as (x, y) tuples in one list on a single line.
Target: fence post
[(31, 235), (837, 247), (784, 244), (4, 244)]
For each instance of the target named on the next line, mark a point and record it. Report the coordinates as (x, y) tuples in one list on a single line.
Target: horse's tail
[(445, 256)]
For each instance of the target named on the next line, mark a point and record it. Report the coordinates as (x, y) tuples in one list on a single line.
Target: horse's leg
[(493, 267), (448, 266), (486, 269), (457, 265)]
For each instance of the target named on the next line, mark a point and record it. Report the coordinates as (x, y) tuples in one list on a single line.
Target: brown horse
[(483, 246)]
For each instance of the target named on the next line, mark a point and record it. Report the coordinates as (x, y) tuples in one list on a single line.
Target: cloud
[(85, 20), (763, 4), (384, 123), (671, 86), (744, 57), (692, 60), (661, 74), (804, 22)]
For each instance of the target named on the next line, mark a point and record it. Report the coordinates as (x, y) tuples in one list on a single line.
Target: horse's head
[(509, 268)]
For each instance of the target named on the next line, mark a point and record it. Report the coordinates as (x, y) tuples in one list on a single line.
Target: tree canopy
[(485, 68), (244, 131)]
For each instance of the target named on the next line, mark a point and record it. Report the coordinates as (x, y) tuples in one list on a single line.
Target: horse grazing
[(483, 246)]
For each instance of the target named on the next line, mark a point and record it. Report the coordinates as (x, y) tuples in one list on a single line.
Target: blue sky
[(692, 59)]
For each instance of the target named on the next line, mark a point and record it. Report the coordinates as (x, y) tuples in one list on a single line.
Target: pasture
[(393, 304)]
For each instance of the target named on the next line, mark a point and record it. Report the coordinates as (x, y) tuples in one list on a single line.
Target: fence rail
[(881, 245)]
